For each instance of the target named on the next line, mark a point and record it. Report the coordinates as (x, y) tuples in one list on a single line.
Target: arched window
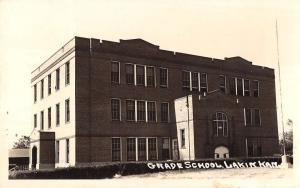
[(220, 124)]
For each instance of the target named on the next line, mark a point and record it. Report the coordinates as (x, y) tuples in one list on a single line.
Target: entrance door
[(33, 158), (175, 149)]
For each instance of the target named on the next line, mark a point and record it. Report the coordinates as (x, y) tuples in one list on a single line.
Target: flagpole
[(280, 90)]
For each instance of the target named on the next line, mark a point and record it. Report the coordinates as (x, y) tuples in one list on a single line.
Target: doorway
[(175, 149), (33, 158)]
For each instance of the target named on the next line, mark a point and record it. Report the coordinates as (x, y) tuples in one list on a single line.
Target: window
[(182, 137), (35, 93), (152, 152), (57, 79), (239, 84), (130, 110), (116, 149), (163, 77), (115, 72), (49, 117), (256, 117), (195, 81), (42, 120), (57, 115), (151, 110), (232, 87), (67, 69), (49, 84), (165, 148), (131, 149), (140, 75), (67, 150), (254, 147), (115, 109), (248, 118), (150, 77), (142, 149), (222, 83), (57, 152), (42, 89), (186, 79), (255, 88), (141, 112), (129, 68), (246, 87), (35, 120), (220, 124), (252, 117), (67, 110), (164, 112), (203, 83)]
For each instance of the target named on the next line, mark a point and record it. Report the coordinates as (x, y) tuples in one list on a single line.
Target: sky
[(31, 31)]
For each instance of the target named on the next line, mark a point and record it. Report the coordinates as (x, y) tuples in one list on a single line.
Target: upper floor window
[(195, 81), (57, 79), (163, 77), (232, 86), (255, 87), (222, 83), (34, 93), (182, 138), (129, 68), (164, 112), (49, 84), (42, 120), (252, 117), (67, 69), (67, 110), (116, 149), (49, 117), (141, 112), (140, 75), (57, 114), (115, 72), (42, 89), (220, 124), (203, 83), (239, 88), (130, 110), (35, 120), (150, 77), (186, 79), (151, 111), (115, 109), (246, 87)]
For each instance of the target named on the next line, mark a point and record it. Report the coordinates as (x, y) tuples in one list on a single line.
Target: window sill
[(163, 86), (116, 120)]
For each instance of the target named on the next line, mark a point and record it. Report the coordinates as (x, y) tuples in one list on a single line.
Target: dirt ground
[(225, 178)]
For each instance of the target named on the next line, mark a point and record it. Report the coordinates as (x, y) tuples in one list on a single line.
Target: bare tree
[(22, 143)]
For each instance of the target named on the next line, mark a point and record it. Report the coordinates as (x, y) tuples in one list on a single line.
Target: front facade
[(101, 101)]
